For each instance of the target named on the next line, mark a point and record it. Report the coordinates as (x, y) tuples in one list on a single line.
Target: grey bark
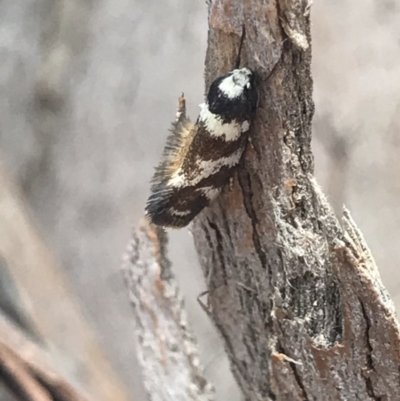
[(297, 298), (166, 349)]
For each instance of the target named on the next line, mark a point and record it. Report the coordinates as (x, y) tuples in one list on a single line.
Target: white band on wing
[(216, 128)]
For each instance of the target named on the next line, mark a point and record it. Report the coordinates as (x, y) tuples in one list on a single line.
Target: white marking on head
[(216, 128), (210, 192), (204, 169), (232, 86)]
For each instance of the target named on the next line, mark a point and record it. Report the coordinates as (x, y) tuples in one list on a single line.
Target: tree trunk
[(296, 297)]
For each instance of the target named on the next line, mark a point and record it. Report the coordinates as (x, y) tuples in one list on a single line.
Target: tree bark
[(296, 297), (166, 349)]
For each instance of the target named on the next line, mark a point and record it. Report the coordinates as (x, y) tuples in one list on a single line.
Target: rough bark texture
[(297, 299), (167, 351)]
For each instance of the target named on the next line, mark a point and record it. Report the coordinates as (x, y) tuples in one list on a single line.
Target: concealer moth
[(200, 158)]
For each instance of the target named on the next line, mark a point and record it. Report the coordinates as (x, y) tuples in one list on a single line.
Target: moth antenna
[(273, 68), (237, 63)]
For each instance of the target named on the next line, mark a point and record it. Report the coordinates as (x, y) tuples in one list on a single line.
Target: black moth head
[(234, 95)]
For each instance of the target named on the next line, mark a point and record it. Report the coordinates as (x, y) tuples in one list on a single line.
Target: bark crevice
[(369, 361)]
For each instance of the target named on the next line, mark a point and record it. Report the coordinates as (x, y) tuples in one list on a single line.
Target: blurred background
[(88, 90)]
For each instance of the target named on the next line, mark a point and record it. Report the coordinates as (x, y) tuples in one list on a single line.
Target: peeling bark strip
[(166, 349), (298, 301)]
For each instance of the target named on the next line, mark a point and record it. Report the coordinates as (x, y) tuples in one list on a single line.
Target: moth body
[(199, 158)]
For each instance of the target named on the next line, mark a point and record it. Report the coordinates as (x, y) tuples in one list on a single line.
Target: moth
[(199, 158)]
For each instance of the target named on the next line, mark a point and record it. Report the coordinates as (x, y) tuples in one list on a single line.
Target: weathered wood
[(28, 370), (167, 351), (297, 299), (51, 311)]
